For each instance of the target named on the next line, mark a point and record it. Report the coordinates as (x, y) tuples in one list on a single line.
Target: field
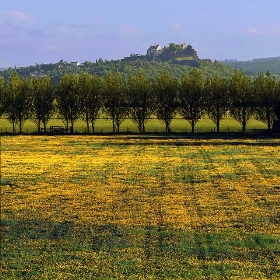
[(178, 124), (84, 207)]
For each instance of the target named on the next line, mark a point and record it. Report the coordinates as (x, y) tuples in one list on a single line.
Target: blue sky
[(38, 31)]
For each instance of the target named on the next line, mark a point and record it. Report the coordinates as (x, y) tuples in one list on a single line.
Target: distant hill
[(173, 59), (150, 69), (257, 65), (2, 69), (277, 58)]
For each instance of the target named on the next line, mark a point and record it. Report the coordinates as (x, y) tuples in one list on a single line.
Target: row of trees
[(87, 96)]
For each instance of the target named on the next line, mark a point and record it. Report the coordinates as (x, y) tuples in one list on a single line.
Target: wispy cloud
[(16, 17), (264, 32), (250, 30), (128, 29), (176, 26), (253, 30), (275, 32), (24, 36)]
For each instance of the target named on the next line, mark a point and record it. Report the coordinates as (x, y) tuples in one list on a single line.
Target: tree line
[(87, 96), (254, 67)]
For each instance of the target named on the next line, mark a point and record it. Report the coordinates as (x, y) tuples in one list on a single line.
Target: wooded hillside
[(255, 66), (150, 69)]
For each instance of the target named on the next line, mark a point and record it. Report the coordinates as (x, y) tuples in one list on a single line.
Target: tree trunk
[(143, 120), (166, 127), (45, 126), (92, 127), (39, 126), (20, 126), (118, 126), (140, 125), (72, 126), (87, 122), (268, 118), (243, 120), (192, 125), (114, 127), (218, 123)]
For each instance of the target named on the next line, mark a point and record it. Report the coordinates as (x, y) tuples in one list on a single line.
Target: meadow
[(139, 207), (178, 125)]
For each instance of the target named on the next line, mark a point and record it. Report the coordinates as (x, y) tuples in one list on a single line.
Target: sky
[(45, 31)]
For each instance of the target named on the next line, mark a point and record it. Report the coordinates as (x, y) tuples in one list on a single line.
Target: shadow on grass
[(31, 248)]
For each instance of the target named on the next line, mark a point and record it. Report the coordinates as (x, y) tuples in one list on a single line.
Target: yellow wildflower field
[(132, 207)]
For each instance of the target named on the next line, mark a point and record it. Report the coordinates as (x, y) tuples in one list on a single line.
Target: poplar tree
[(266, 89), (191, 97), (2, 95), (217, 99), (166, 99), (115, 99), (18, 101), (90, 88), (68, 100), (42, 101), (277, 110), (140, 99), (242, 99)]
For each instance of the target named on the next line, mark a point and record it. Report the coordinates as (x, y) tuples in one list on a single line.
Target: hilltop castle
[(175, 53), (170, 52)]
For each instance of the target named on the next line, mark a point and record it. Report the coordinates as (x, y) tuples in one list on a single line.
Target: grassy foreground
[(81, 207)]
